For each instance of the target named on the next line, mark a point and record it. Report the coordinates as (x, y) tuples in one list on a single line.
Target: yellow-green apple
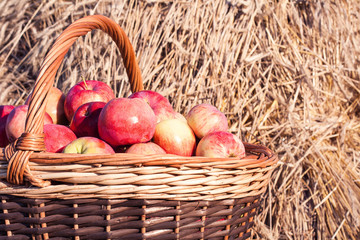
[(15, 123), (54, 106), (175, 137), (205, 118), (84, 92), (126, 121), (57, 137), (145, 148), (85, 120), (220, 144), (159, 104), (86, 145), (4, 113)]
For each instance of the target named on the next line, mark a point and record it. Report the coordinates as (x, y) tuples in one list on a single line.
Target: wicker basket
[(122, 196)]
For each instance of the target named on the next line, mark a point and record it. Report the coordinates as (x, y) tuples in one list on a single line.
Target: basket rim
[(257, 156), (169, 177)]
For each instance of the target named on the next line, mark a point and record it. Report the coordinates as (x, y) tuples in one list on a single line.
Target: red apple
[(86, 145), (175, 137), (15, 123), (125, 121), (205, 118), (55, 106), (220, 144), (57, 137), (85, 120), (159, 104), (84, 92), (4, 113), (145, 148)]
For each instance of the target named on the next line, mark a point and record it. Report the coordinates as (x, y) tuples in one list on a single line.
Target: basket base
[(24, 218)]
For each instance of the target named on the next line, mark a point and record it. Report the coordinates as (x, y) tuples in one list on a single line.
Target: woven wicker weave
[(122, 196)]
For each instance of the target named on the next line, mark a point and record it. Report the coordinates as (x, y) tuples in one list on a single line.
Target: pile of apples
[(89, 119)]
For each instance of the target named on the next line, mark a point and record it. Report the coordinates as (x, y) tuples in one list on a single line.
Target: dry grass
[(285, 72)]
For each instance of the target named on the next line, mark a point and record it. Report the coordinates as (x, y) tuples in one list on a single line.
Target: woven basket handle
[(32, 140)]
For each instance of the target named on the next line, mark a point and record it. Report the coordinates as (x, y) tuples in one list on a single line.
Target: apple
[(205, 118), (84, 92), (54, 106), (126, 121), (57, 137), (220, 144), (145, 148), (86, 145), (15, 123), (4, 113), (85, 120), (175, 137), (159, 104), (180, 117)]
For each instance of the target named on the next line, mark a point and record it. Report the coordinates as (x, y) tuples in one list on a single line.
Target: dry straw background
[(286, 73)]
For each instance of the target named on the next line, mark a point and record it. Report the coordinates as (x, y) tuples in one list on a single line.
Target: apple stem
[(86, 86)]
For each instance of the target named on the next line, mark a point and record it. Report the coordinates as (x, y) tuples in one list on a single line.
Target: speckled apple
[(220, 144), (205, 118), (175, 137), (126, 121)]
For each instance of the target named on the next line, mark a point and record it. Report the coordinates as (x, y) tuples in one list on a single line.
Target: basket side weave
[(126, 219)]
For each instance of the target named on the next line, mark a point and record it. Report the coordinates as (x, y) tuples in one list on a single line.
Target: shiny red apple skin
[(159, 104), (85, 120), (88, 145), (175, 137), (4, 113), (55, 106), (145, 149), (84, 92), (205, 118), (15, 123), (57, 137), (220, 145), (126, 121)]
